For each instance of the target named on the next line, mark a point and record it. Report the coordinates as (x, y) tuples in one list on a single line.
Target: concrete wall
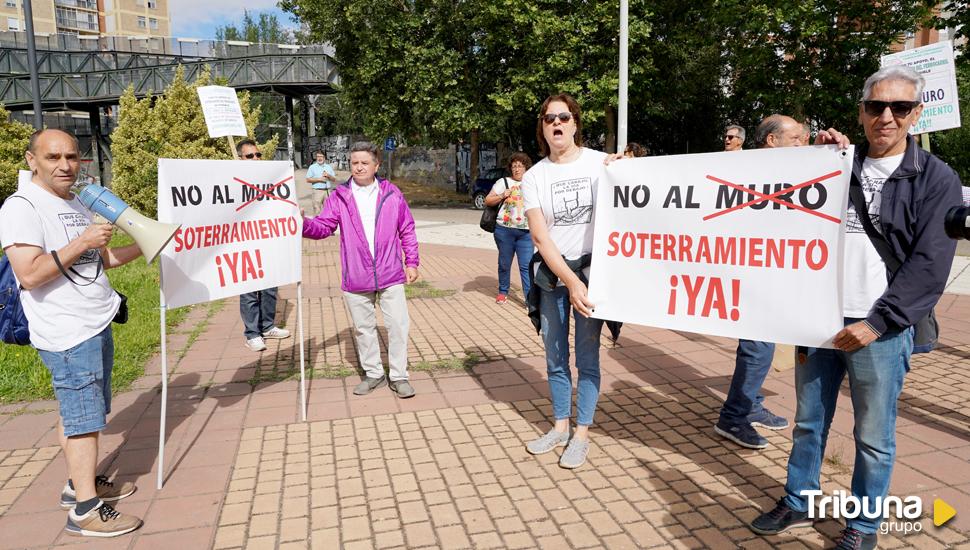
[(431, 166)]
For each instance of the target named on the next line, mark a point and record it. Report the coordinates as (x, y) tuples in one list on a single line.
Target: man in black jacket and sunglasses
[(906, 192)]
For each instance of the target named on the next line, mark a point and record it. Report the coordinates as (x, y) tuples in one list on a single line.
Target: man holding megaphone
[(46, 232)]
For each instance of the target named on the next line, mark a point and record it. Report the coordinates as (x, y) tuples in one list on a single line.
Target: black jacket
[(544, 278), (915, 200)]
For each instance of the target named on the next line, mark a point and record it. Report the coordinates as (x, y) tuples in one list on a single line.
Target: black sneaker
[(851, 539), (779, 520), (742, 434)]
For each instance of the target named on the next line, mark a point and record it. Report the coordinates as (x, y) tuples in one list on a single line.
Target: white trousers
[(363, 311)]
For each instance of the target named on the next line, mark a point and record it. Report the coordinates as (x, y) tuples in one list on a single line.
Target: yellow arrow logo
[(942, 512)]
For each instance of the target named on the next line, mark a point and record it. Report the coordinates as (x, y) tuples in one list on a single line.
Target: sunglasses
[(549, 118), (253, 155), (732, 137), (900, 109)]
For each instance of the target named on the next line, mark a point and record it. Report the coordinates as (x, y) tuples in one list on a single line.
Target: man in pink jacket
[(376, 231)]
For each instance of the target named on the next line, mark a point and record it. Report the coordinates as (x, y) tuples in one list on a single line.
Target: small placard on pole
[(223, 115)]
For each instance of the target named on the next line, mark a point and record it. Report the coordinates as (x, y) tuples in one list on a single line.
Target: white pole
[(161, 426), (299, 329), (621, 115)]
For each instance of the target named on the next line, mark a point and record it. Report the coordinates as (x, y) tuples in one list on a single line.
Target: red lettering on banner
[(204, 236), (757, 252), (242, 266), (714, 297)]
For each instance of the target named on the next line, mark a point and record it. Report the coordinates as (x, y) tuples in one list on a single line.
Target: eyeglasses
[(563, 117), (250, 156), (730, 137), (900, 109)]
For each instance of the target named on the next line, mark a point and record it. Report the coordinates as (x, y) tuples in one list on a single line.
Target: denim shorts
[(82, 382)]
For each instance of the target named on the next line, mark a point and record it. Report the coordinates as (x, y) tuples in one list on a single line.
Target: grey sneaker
[(548, 442), (575, 454), (108, 491), (402, 388), (256, 344), (103, 521), (369, 384), (276, 333)]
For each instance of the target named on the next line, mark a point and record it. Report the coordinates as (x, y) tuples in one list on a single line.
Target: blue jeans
[(81, 377), (751, 366), (876, 374), (258, 311), (511, 242), (554, 309)]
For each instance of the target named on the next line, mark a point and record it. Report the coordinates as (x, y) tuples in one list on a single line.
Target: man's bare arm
[(34, 268)]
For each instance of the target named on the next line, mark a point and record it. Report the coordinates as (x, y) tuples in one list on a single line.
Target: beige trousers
[(363, 311)]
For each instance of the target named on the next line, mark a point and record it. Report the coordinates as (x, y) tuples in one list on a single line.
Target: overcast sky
[(200, 18)]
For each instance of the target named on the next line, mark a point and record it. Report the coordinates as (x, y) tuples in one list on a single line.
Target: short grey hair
[(366, 146), (895, 72), (770, 125), (738, 128)]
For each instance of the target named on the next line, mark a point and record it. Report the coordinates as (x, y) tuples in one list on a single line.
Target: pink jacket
[(394, 237)]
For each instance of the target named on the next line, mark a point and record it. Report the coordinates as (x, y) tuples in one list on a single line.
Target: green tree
[(952, 145), (13, 142), (808, 59), (170, 125), (259, 28)]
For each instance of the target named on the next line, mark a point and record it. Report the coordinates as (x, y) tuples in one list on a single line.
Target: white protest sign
[(223, 116), (241, 228), (743, 244), (941, 105)]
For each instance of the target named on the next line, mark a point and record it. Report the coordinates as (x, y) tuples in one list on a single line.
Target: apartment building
[(90, 17)]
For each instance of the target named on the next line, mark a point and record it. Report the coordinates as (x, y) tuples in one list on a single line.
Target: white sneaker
[(256, 344), (276, 333)]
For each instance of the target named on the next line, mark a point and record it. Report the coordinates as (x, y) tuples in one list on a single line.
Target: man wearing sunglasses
[(906, 192), (733, 138), (258, 309)]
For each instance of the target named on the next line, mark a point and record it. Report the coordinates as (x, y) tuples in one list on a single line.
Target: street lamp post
[(621, 115), (32, 65)]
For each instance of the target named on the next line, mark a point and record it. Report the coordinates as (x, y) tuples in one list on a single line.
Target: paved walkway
[(448, 468)]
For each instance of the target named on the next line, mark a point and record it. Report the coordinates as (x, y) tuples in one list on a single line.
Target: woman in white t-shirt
[(559, 192), (511, 228)]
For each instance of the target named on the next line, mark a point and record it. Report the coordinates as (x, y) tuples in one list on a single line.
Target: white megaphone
[(150, 235)]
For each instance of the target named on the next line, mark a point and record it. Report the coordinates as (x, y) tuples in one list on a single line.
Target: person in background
[(733, 138), (321, 177), (634, 150), (258, 309), (511, 226)]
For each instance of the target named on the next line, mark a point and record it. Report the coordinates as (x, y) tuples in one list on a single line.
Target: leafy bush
[(167, 126), (13, 142)]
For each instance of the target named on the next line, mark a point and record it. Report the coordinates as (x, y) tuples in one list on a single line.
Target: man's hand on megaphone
[(96, 235)]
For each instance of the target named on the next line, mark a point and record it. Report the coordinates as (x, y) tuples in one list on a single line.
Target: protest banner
[(223, 115), (745, 244), (241, 228), (941, 105)]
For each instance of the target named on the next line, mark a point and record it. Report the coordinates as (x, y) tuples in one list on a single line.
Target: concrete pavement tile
[(184, 539), (183, 512)]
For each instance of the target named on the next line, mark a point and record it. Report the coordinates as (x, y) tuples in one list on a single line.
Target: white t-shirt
[(566, 193), (61, 314), (512, 212), (865, 280), (366, 199)]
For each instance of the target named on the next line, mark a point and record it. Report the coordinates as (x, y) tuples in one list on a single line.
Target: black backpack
[(13, 322)]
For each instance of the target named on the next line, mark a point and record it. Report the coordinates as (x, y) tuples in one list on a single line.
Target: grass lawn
[(24, 378)]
